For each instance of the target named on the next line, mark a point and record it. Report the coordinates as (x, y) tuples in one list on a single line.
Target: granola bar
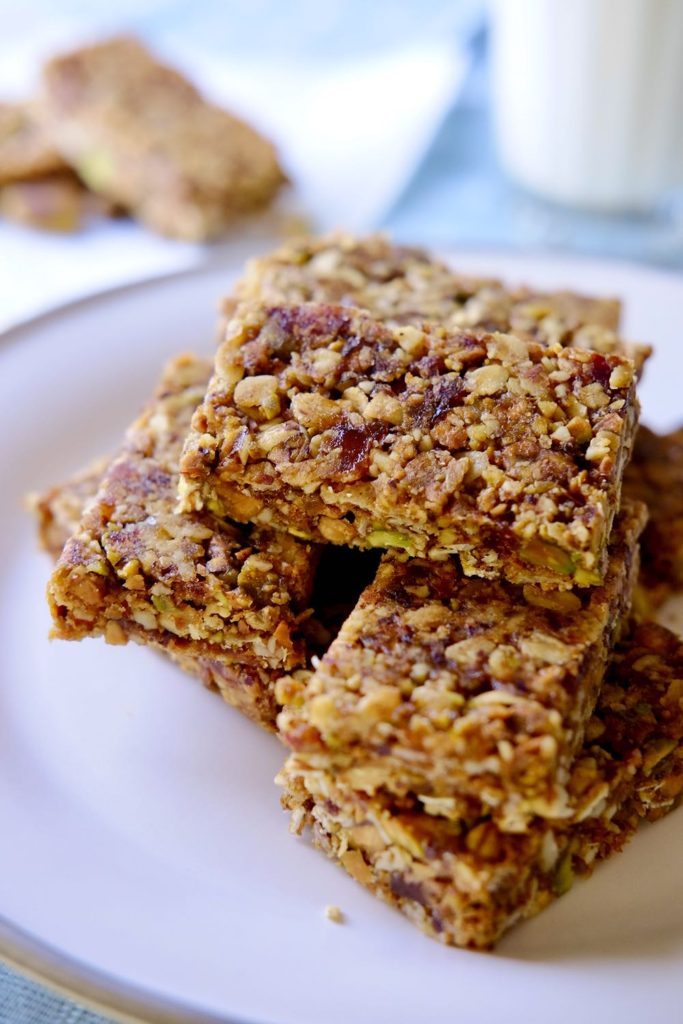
[(454, 687), (138, 133), (324, 422), (58, 513), (465, 882), (402, 285), (339, 580), (655, 476), (229, 599)]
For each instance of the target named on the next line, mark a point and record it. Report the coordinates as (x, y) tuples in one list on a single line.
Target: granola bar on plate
[(321, 421), (460, 687), (220, 597), (461, 879)]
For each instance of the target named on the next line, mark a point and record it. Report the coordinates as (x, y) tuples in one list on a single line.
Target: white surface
[(588, 98), (141, 829), (350, 134)]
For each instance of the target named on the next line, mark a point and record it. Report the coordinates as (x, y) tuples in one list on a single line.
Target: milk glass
[(588, 99)]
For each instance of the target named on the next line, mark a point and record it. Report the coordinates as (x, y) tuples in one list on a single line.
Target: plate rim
[(29, 955), (70, 977)]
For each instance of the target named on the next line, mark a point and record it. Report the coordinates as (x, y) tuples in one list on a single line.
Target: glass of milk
[(588, 99)]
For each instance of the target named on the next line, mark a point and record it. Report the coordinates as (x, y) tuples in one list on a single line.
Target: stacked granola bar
[(390, 516)]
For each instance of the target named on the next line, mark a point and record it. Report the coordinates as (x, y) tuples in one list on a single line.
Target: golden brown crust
[(459, 687), (324, 422), (403, 285), (655, 476), (140, 134), (189, 584), (462, 880)]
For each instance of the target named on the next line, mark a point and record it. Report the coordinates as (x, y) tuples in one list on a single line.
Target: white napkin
[(350, 134)]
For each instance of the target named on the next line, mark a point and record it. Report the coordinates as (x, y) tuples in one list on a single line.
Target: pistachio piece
[(391, 539), (97, 170), (547, 556), (162, 603), (564, 876)]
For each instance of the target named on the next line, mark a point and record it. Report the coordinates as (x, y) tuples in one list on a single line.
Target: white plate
[(144, 860)]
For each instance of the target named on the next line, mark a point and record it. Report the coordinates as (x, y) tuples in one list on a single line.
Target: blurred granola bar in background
[(141, 135)]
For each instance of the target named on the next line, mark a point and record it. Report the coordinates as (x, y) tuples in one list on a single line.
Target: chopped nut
[(545, 648), (325, 362), (411, 340), (114, 634), (314, 411), (322, 712), (336, 531), (355, 864), (333, 913), (379, 703), (273, 437), (561, 434), (258, 396), (419, 672), (508, 348), (621, 376), (384, 407), (488, 380), (593, 396), (603, 444), (580, 429)]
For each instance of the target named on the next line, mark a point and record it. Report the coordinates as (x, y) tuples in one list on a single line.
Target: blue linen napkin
[(23, 1002)]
